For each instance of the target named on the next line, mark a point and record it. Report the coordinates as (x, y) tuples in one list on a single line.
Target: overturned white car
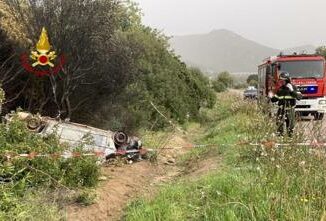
[(92, 139)]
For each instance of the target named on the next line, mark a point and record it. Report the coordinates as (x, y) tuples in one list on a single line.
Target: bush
[(226, 78), (86, 198), (223, 81), (321, 51), (219, 86), (30, 206), (177, 91), (252, 80), (23, 174), (16, 139), (240, 86), (116, 81), (252, 77)]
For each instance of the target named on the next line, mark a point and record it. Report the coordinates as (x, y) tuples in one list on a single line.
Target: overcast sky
[(275, 23)]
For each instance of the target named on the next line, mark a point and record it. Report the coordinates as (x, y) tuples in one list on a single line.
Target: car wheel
[(319, 116), (33, 123)]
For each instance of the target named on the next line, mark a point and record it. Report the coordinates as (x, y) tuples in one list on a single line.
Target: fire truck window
[(304, 69), (279, 66)]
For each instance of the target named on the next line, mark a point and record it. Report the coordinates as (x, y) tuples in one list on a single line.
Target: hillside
[(222, 50)]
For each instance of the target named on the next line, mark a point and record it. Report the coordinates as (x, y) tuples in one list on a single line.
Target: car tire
[(33, 123), (319, 116)]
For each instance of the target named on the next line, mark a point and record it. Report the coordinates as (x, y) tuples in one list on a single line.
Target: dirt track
[(126, 182)]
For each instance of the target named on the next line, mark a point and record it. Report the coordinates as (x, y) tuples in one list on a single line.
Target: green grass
[(26, 178), (254, 183), (34, 205)]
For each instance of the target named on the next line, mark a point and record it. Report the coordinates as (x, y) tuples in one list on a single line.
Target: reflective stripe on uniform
[(284, 97)]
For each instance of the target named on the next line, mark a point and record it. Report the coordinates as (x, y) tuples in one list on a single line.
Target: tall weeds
[(264, 181), (19, 176)]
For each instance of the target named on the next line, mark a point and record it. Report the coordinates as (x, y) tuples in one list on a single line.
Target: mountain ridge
[(225, 50)]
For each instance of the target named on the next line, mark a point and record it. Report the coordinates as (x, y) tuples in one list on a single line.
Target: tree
[(226, 78), (88, 52), (218, 86), (321, 51), (163, 79), (115, 65), (252, 80)]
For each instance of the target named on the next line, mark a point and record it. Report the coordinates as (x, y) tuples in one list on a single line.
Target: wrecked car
[(91, 139)]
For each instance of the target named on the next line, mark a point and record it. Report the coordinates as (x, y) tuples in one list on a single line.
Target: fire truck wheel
[(319, 116)]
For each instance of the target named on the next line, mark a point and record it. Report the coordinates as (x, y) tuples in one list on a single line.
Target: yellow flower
[(304, 200)]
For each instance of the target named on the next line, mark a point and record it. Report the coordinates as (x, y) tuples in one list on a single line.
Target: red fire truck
[(307, 73)]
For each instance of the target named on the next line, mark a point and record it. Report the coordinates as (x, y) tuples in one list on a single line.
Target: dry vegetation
[(261, 182)]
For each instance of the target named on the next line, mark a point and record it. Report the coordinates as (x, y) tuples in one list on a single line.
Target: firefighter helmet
[(285, 76)]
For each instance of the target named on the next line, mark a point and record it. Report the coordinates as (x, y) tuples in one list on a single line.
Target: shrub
[(23, 174), (219, 86), (31, 206), (226, 78), (86, 197), (240, 86)]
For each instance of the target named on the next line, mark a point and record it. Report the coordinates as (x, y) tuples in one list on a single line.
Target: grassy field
[(252, 183)]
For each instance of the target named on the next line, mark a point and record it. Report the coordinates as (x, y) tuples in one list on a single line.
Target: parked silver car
[(250, 93)]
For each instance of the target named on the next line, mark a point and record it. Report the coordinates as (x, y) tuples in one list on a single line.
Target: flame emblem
[(43, 56)]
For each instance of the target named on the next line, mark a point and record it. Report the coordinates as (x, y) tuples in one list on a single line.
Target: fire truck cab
[(308, 75)]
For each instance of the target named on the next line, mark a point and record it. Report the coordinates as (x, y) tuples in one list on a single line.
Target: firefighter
[(286, 97)]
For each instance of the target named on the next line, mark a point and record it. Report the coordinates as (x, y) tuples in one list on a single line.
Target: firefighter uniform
[(286, 97)]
